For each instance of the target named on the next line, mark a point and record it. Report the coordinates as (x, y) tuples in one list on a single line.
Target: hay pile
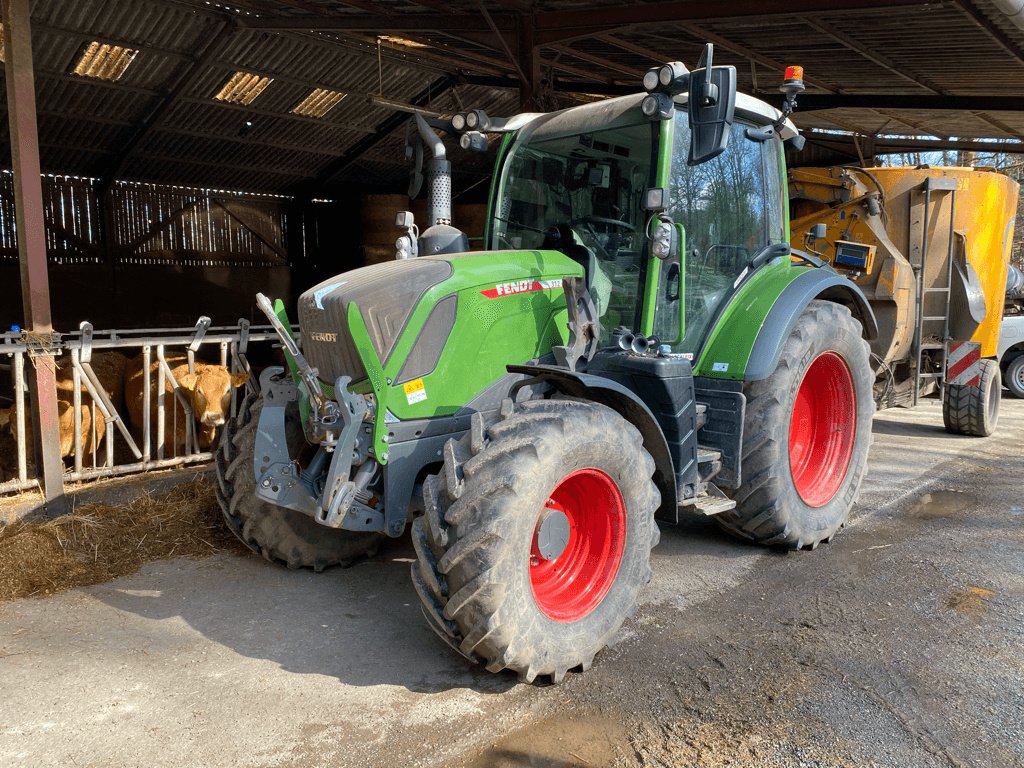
[(99, 542)]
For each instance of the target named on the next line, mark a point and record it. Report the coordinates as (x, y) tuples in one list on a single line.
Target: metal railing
[(125, 446)]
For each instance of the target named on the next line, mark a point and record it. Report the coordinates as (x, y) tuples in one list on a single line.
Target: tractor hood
[(385, 293)]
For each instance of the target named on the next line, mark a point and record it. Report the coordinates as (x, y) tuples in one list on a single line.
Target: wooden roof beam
[(558, 26), (336, 167), (382, 23), (881, 60), (973, 103), (607, 64), (995, 123), (752, 55), (884, 145)]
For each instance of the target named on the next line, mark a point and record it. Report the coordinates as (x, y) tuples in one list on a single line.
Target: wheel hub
[(822, 430), (577, 545), (552, 533)]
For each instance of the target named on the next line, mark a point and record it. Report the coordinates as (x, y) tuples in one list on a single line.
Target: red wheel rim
[(822, 430), (571, 585)]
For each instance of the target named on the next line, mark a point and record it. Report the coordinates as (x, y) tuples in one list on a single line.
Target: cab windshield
[(582, 194)]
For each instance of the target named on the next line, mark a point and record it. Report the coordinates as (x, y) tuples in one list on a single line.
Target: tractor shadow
[(911, 429), (361, 625)]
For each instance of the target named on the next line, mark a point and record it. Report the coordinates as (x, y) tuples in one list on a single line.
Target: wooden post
[(35, 286), (529, 65)]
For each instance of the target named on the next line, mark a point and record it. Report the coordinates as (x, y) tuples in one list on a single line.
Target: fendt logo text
[(520, 286)]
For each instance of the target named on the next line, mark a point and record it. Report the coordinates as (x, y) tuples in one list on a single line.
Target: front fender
[(821, 284), (620, 399)]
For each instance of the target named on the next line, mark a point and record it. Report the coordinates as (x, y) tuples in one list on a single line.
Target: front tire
[(806, 435), (974, 411), (280, 535), (536, 537)]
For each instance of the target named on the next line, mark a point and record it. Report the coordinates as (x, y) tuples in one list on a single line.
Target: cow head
[(209, 391)]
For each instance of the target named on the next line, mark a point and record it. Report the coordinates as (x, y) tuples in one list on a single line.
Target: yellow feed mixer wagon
[(929, 247)]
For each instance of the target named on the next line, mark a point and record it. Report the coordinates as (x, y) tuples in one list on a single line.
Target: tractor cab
[(598, 183)]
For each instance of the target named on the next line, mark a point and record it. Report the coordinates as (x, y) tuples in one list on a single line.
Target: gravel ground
[(900, 644)]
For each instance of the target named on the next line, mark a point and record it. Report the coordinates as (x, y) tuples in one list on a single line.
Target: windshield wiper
[(519, 224)]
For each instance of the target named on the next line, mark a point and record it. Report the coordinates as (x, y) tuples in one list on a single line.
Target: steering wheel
[(604, 220), (587, 228)]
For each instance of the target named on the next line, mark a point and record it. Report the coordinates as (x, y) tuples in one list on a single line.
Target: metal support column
[(35, 286)]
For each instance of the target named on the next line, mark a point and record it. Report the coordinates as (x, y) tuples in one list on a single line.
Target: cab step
[(714, 502)]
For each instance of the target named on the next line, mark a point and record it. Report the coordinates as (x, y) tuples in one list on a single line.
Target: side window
[(730, 208)]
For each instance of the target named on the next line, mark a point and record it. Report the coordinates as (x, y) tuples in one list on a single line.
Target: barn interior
[(191, 153)]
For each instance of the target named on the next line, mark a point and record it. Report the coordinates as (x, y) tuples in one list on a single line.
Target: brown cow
[(109, 368), (208, 391), (65, 423)]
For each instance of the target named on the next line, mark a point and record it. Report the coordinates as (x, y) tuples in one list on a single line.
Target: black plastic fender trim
[(825, 284), (620, 399)]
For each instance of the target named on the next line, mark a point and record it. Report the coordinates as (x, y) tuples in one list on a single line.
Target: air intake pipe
[(440, 236), (439, 176)]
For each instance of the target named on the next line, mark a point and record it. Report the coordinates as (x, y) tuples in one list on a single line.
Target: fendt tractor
[(930, 248), (638, 340)]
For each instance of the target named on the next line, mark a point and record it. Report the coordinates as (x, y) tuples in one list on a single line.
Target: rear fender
[(814, 284), (612, 394)]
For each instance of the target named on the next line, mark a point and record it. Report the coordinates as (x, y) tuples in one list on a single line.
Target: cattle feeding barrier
[(122, 446)]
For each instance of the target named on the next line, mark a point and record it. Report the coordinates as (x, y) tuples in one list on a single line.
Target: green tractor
[(637, 342)]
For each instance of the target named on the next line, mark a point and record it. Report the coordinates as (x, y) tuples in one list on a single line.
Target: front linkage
[(334, 425)]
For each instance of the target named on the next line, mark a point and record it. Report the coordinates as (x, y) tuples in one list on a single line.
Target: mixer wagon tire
[(1013, 378), (806, 435), (280, 535), (536, 537), (974, 411)]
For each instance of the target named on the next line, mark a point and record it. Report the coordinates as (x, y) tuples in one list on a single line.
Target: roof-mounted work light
[(674, 77), (661, 84), (657, 106), (473, 120), (671, 78)]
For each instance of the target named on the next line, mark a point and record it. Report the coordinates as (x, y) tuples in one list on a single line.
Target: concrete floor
[(899, 644)]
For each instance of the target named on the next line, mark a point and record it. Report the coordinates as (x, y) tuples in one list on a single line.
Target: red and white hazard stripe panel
[(963, 363)]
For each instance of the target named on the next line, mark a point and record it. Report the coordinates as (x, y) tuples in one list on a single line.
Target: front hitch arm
[(326, 414)]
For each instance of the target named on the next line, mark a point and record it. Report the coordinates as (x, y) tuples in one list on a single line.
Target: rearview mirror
[(712, 104)]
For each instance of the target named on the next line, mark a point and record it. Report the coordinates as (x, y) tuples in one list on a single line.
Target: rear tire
[(974, 411), (1013, 379), (280, 535), (806, 435), (491, 583)]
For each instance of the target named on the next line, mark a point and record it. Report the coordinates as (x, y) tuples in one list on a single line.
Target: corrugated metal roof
[(159, 122)]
